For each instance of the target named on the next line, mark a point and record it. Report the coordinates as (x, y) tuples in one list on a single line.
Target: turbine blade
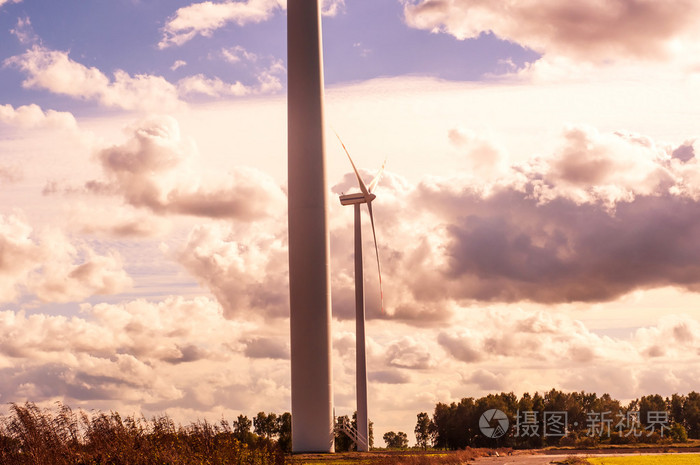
[(376, 249), (363, 187), (374, 182)]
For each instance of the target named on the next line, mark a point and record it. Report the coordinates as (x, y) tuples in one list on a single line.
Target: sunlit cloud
[(52, 268), (587, 30), (56, 72), (3, 2), (206, 17)]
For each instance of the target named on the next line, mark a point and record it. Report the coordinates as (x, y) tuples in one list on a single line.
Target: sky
[(537, 222)]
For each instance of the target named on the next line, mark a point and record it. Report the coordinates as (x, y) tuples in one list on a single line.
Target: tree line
[(559, 418)]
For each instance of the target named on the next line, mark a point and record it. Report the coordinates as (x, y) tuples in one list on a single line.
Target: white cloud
[(24, 31), (332, 7), (32, 116), (206, 17), (212, 87), (267, 77), (3, 2), (178, 64), (55, 71)]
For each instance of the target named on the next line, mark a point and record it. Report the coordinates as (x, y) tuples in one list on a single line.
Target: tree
[(241, 428), (265, 425), (691, 411), (284, 430), (396, 440), (425, 430)]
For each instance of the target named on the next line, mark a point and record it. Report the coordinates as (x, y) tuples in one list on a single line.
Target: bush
[(678, 433), (31, 436)]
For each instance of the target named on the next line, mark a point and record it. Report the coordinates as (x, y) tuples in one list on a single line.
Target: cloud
[(154, 170), (56, 72), (3, 2), (461, 347), (178, 64), (52, 268), (32, 117), (332, 7), (24, 31), (601, 216), (122, 221), (213, 87), (206, 17), (408, 352), (10, 174), (273, 348), (248, 277), (588, 30), (140, 356), (267, 71), (488, 381), (388, 377)]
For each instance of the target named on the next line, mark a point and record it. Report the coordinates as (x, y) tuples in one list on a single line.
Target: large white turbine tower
[(309, 250), (364, 196)]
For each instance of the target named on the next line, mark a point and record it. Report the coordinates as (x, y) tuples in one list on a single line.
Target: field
[(671, 459)]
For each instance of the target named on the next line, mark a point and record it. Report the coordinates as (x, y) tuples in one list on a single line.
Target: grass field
[(670, 459)]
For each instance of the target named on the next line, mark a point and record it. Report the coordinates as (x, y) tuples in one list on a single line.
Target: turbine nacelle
[(352, 199)]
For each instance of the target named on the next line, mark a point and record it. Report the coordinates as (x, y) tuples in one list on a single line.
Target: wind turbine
[(309, 242), (364, 196)]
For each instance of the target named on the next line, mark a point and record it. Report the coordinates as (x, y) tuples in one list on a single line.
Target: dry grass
[(32, 436), (407, 457), (574, 460)]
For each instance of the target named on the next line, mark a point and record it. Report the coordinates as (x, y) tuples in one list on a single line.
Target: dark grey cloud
[(389, 377), (565, 252), (409, 353), (274, 348), (462, 347)]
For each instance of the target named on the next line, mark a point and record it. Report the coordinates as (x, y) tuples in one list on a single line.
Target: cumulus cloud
[(51, 267), (408, 352), (248, 277), (32, 116), (589, 30), (603, 215), (153, 170), (206, 17), (54, 71), (141, 356)]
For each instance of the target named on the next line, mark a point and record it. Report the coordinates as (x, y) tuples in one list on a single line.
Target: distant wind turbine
[(365, 196)]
